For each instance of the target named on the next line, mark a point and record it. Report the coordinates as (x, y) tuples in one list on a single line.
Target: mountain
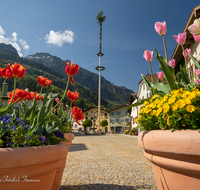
[(86, 78), (86, 99), (8, 49)]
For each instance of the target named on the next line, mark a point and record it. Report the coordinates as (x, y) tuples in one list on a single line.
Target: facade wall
[(119, 120), (93, 113)]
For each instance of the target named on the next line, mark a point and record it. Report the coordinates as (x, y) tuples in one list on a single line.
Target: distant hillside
[(86, 78), (86, 99), (8, 49)]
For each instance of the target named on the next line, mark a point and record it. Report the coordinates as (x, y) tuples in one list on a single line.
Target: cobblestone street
[(107, 162)]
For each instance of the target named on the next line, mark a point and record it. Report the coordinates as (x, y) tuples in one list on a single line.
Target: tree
[(104, 123), (87, 123)]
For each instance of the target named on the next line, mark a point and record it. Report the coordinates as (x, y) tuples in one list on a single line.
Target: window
[(112, 113), (142, 97), (118, 120), (143, 86), (91, 118), (122, 120), (127, 120), (92, 111), (86, 118), (118, 112), (126, 112), (86, 113), (112, 120), (76, 126), (105, 114), (147, 95)]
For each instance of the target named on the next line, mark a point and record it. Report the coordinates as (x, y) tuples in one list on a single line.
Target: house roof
[(118, 107), (104, 109), (177, 54)]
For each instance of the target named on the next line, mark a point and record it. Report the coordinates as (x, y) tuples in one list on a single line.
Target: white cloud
[(13, 41), (58, 38), (24, 44), (2, 32)]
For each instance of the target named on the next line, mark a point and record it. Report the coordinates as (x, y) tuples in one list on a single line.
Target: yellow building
[(92, 113)]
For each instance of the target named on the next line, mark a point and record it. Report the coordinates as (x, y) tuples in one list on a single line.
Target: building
[(119, 120), (92, 113)]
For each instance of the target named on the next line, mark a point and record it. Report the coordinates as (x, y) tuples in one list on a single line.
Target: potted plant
[(31, 153), (170, 120), (104, 123), (134, 131), (112, 131)]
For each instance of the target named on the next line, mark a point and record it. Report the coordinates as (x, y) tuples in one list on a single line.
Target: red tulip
[(44, 81), (31, 95), (71, 70), (17, 70), (19, 95), (77, 114), (5, 73), (72, 95)]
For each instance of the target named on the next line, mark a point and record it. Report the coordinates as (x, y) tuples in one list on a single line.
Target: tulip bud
[(197, 72), (160, 27), (148, 55), (180, 38), (197, 38), (187, 51), (160, 75), (172, 63), (195, 27), (197, 81)]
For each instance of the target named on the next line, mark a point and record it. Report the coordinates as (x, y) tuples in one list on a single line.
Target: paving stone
[(107, 162)]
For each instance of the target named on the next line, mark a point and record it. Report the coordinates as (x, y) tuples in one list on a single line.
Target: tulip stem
[(185, 60), (3, 89), (165, 47), (62, 97), (151, 71)]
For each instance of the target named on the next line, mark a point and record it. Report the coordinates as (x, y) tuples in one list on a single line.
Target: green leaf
[(58, 122), (138, 103), (199, 130), (194, 60), (168, 71), (50, 103), (50, 128)]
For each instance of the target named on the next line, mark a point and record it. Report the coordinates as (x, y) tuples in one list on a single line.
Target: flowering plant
[(38, 121), (175, 104)]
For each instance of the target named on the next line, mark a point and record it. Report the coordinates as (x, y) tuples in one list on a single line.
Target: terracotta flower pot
[(38, 167), (133, 133), (175, 157), (112, 132)]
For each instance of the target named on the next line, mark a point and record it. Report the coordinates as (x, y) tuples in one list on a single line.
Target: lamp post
[(100, 18)]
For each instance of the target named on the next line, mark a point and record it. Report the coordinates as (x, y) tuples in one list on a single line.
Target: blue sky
[(68, 29)]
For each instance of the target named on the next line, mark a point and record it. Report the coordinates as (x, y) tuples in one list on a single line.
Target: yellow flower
[(154, 96), (192, 95), (167, 118), (187, 101), (165, 97), (156, 101), (145, 103), (172, 100), (165, 108), (174, 107), (153, 113), (190, 108), (180, 103), (186, 93), (159, 110)]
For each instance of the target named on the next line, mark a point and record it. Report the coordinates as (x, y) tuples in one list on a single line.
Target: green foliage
[(87, 123), (104, 123)]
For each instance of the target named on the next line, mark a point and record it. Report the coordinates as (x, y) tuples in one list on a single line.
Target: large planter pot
[(38, 167), (175, 158), (112, 132)]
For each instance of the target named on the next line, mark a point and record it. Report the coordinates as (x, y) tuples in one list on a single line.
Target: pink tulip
[(172, 63), (180, 38), (197, 38), (187, 51), (197, 72), (148, 55), (57, 100), (197, 81), (195, 27), (160, 75), (160, 27)]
